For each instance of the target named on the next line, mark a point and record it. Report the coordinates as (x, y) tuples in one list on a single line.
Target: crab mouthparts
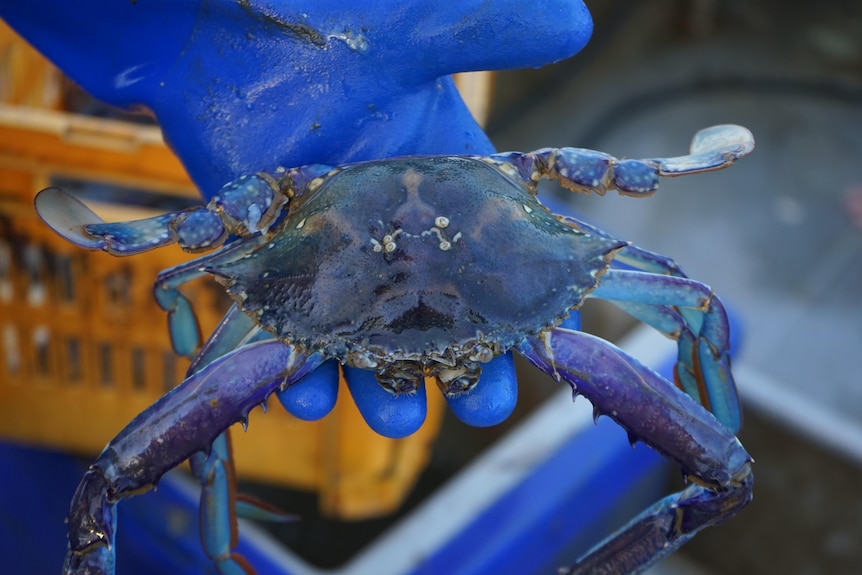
[(406, 376)]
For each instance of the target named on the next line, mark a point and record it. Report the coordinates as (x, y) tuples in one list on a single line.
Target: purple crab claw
[(185, 421), (655, 411)]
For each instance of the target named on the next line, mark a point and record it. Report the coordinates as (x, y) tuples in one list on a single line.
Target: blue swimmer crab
[(419, 267)]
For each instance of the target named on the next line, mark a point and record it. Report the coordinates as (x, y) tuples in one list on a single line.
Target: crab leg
[(195, 230), (583, 170), (243, 207), (234, 330), (679, 322), (722, 400), (654, 411), (690, 313), (218, 513), (630, 254), (215, 470), (220, 503), (182, 323), (186, 420), (712, 148)]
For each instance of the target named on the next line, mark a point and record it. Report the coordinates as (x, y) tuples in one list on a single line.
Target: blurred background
[(778, 236)]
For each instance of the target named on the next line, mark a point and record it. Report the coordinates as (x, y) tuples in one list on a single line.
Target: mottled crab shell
[(439, 260)]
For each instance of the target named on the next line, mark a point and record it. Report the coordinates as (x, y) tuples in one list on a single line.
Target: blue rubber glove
[(239, 87)]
